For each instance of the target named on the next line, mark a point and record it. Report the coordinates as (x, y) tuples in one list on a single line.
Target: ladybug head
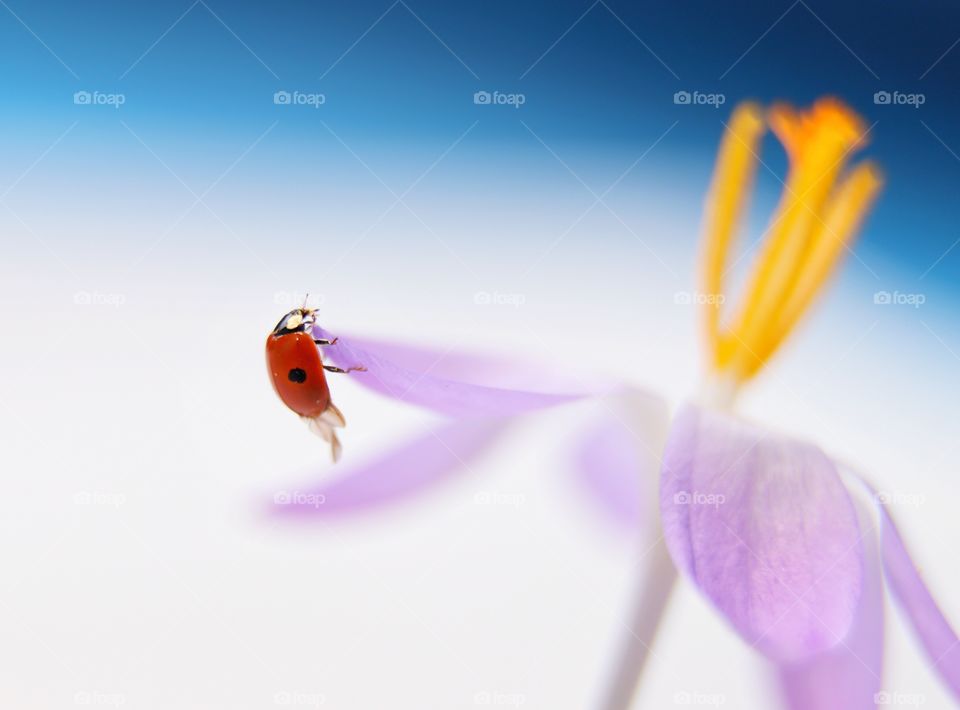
[(299, 320)]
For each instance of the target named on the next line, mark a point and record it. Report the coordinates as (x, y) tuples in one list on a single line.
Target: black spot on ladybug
[(297, 375)]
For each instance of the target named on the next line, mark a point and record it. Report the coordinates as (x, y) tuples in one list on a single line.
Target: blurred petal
[(932, 628), (848, 676), (610, 470), (764, 526), (395, 474), (618, 456), (413, 378)]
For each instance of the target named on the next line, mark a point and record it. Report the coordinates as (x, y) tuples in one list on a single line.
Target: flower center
[(819, 213)]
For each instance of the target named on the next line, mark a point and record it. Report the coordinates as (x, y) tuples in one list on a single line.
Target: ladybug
[(297, 372)]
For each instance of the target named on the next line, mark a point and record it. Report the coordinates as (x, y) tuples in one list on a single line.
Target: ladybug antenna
[(306, 298)]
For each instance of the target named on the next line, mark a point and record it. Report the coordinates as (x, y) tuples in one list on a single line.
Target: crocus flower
[(776, 534), (770, 528)]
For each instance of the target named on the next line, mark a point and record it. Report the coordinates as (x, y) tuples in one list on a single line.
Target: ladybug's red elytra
[(299, 375)]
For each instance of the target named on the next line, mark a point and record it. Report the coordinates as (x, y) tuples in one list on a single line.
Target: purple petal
[(413, 379), (610, 468), (764, 526), (617, 458), (932, 628), (848, 676), (395, 474), (450, 364)]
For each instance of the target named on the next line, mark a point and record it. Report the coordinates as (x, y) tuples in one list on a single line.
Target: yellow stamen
[(732, 178), (843, 217), (814, 223)]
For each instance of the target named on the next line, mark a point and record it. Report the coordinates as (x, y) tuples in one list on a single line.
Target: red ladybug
[(297, 372)]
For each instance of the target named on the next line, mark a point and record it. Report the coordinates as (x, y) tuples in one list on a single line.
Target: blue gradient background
[(199, 98)]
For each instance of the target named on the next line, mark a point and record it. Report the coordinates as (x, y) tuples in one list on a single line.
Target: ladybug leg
[(357, 368), (324, 341)]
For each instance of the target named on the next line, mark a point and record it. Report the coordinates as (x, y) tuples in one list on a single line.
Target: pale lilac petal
[(454, 363), (609, 469), (764, 526), (395, 474), (618, 456), (933, 630), (416, 381), (849, 675)]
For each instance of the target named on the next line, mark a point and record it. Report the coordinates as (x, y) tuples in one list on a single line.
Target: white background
[(173, 588)]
